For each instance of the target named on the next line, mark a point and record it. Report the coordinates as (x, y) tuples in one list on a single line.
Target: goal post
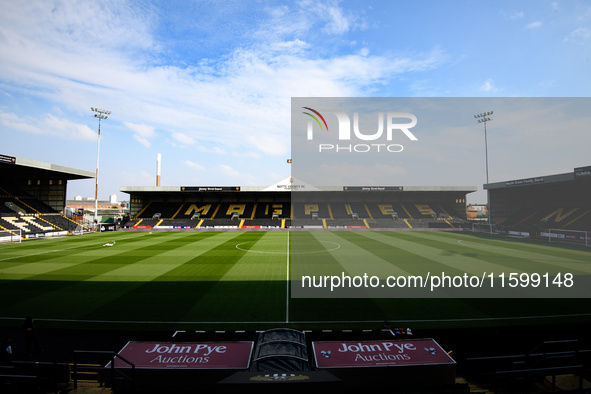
[(569, 236), (11, 236), (484, 228)]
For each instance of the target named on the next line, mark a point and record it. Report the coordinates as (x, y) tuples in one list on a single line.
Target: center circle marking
[(334, 247)]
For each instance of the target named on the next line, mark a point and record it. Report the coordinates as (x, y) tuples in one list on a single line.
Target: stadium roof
[(20, 167), (578, 174), (293, 184)]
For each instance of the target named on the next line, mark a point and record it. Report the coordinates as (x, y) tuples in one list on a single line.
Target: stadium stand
[(543, 219), (559, 363), (24, 200), (165, 210), (401, 215), (318, 207), (538, 204), (19, 210), (230, 207), (32, 196), (272, 210), (311, 210)]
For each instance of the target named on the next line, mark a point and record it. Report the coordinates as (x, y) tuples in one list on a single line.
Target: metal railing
[(113, 369)]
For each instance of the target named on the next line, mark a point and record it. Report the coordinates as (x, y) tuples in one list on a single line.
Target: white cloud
[(236, 103), (216, 149), (76, 63), (71, 25), (142, 140), (141, 129), (298, 19), (579, 35), (228, 170), (13, 122), (247, 154), (488, 86), (337, 22), (183, 139), (534, 25), (48, 125), (194, 165), (141, 133), (269, 145)]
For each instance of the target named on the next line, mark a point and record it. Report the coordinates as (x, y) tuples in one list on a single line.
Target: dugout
[(543, 202)]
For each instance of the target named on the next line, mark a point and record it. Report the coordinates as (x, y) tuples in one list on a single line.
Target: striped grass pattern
[(229, 278)]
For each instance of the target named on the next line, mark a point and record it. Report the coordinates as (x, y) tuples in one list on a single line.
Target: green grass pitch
[(240, 278)]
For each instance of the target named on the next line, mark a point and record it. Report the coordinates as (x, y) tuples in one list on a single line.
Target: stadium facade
[(294, 203)]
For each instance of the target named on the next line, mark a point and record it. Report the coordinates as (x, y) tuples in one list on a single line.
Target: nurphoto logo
[(393, 127)]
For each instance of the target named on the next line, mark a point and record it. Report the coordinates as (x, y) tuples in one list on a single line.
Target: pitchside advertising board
[(395, 363), (381, 142), (357, 354), (181, 355)]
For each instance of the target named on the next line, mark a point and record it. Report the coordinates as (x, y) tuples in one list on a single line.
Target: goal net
[(569, 236), (10, 236), (484, 228)]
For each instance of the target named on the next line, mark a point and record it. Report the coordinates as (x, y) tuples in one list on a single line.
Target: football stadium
[(293, 287)]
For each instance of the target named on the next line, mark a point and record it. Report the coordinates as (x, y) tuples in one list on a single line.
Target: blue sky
[(208, 84)]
